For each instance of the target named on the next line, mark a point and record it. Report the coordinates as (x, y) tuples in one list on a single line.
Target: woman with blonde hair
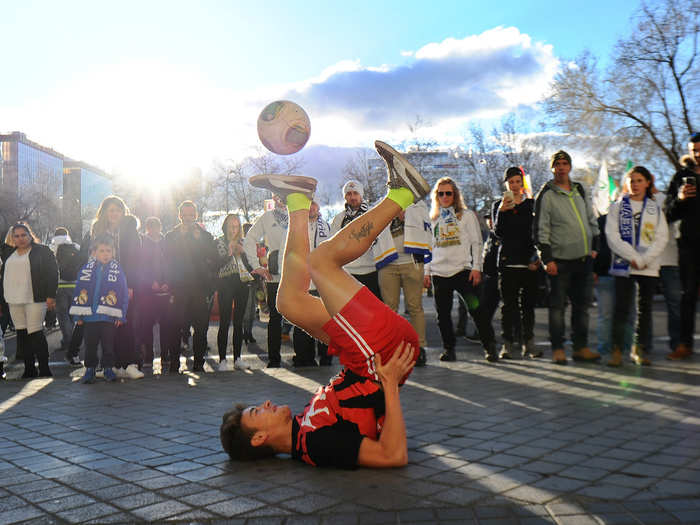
[(114, 219), (28, 282), (456, 265), (232, 290)]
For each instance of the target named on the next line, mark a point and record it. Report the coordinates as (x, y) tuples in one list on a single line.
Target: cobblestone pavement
[(523, 442)]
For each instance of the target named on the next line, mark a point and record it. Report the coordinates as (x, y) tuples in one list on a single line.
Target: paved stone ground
[(524, 442)]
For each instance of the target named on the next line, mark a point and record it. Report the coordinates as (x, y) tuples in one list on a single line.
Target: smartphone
[(692, 180), (508, 195)]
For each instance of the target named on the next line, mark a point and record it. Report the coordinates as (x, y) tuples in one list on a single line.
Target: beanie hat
[(559, 155), (511, 172), (353, 185)]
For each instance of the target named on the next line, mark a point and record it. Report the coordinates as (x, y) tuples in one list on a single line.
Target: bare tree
[(647, 95)]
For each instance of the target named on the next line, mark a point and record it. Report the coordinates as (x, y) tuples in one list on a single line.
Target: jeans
[(305, 346), (574, 279), (689, 266), (605, 296), (64, 297), (153, 308), (96, 333), (519, 292), (624, 299), (188, 307), (233, 296), (409, 277), (444, 288), (671, 283)]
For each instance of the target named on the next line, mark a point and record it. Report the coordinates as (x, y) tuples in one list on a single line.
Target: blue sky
[(163, 84)]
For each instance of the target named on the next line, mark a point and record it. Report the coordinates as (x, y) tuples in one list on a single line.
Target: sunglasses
[(444, 193)]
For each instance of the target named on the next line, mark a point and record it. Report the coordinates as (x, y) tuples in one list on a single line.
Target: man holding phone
[(682, 204)]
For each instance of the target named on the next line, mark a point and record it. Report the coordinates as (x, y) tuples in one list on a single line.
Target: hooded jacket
[(565, 226)]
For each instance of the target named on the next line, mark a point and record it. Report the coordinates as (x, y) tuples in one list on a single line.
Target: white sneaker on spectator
[(119, 372), (99, 372), (224, 366), (132, 372), (241, 365)]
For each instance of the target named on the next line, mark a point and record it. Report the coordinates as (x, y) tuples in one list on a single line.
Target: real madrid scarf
[(640, 239), (113, 295), (351, 214)]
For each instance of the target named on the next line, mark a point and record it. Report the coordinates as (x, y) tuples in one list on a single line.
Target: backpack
[(69, 262)]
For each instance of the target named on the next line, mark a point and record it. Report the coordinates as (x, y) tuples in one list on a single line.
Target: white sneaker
[(241, 365), (119, 372), (132, 372), (401, 173), (283, 185), (99, 372), (224, 366)]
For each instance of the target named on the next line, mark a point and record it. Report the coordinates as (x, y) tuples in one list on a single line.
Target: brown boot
[(639, 356), (616, 358), (559, 356), (682, 351), (585, 354)]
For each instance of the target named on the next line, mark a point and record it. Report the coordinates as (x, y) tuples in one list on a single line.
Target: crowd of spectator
[(110, 290)]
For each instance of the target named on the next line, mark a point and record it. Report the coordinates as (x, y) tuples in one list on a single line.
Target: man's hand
[(80, 322), (155, 286), (594, 254), (687, 191), (475, 277), (400, 364), (533, 265), (131, 294), (262, 272), (551, 268), (50, 303), (426, 281), (118, 323)]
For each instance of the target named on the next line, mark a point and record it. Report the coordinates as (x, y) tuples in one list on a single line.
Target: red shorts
[(364, 327)]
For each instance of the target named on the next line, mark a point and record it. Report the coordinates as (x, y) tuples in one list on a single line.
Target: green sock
[(401, 196), (297, 201)]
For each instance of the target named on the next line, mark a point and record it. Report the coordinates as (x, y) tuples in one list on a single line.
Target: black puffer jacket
[(42, 265)]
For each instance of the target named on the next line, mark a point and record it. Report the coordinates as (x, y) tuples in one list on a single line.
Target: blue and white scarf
[(640, 238), (114, 296)]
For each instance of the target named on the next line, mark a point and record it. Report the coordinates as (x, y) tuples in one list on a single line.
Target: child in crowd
[(100, 303)]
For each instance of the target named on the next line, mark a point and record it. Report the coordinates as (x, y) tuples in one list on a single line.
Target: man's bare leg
[(293, 298), (336, 286)]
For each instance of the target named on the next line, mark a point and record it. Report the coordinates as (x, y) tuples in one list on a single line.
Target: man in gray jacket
[(566, 234)]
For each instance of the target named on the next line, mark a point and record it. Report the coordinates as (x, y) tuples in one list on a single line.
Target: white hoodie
[(456, 243)]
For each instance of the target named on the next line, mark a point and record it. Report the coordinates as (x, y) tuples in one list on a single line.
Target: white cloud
[(153, 121)]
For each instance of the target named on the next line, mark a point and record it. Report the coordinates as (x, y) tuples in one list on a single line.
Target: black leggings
[(233, 295)]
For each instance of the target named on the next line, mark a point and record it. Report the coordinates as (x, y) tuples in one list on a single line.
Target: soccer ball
[(283, 127)]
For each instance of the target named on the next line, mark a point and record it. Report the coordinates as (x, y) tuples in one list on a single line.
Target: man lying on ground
[(356, 419)]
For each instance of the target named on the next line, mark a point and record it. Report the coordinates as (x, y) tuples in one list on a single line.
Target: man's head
[(153, 227), (187, 211), (560, 163), (103, 248), (313, 211), (694, 147), (254, 432), (60, 232), (353, 193)]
